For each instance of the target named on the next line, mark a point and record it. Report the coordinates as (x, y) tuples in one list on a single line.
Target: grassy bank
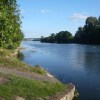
[(28, 89), (12, 85), (9, 60)]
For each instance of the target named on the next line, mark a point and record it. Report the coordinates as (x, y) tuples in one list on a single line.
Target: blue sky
[(43, 17)]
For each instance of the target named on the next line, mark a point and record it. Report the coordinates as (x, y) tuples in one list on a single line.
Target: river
[(70, 63)]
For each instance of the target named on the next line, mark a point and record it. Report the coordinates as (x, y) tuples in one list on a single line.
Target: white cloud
[(78, 16), (43, 11)]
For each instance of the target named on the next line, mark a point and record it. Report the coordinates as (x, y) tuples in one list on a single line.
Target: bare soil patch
[(3, 80)]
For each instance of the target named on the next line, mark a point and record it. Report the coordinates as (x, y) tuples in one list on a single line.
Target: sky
[(43, 17)]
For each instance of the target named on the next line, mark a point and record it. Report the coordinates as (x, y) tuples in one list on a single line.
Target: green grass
[(28, 89), (18, 86), (9, 61), (39, 70)]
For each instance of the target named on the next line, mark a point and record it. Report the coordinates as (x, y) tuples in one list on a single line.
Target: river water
[(70, 63)]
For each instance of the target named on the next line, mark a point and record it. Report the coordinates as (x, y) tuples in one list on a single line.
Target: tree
[(61, 37), (90, 33), (10, 23), (91, 21), (78, 35)]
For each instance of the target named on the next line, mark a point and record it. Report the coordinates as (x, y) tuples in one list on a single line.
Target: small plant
[(39, 70), (76, 94), (20, 56)]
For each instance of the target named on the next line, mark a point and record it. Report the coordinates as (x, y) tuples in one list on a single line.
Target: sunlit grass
[(9, 61), (28, 89)]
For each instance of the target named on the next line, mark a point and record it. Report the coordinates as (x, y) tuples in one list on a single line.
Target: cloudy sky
[(43, 17)]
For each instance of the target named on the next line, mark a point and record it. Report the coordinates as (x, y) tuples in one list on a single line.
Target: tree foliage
[(90, 33), (61, 37), (10, 23)]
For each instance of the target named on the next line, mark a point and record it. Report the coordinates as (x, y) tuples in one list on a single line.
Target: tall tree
[(10, 23), (90, 33)]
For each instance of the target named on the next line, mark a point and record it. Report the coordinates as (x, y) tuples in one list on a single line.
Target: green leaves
[(90, 33), (10, 32), (61, 37)]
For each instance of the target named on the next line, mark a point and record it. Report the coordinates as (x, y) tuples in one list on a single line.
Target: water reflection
[(92, 62)]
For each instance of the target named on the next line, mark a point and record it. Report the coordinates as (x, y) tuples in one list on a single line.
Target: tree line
[(10, 23), (61, 37), (88, 34)]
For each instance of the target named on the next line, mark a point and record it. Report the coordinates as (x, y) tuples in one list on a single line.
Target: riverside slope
[(68, 94), (10, 65), (28, 75)]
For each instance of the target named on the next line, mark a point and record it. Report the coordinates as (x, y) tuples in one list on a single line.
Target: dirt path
[(28, 75)]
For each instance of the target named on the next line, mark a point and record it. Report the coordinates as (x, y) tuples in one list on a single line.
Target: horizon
[(43, 17)]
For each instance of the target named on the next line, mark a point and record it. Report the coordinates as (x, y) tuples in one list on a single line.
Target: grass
[(39, 70), (9, 61), (22, 87), (28, 89)]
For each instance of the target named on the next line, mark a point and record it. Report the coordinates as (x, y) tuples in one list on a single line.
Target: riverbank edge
[(67, 94)]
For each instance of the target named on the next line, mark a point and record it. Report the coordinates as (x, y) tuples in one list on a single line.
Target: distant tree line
[(61, 37), (88, 34), (10, 23)]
